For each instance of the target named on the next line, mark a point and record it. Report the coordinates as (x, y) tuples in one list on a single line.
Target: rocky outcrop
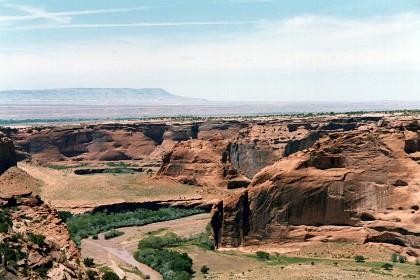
[(114, 141), (202, 162), (360, 185), (7, 153), (263, 144), (138, 140), (35, 243)]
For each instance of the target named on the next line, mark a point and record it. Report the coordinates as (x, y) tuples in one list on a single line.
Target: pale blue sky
[(216, 49)]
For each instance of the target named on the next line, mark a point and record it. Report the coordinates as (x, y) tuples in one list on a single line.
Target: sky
[(248, 50)]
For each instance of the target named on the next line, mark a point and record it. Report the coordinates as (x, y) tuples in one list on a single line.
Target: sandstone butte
[(29, 216), (360, 185)]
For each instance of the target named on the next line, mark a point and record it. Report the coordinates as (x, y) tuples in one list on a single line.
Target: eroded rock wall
[(361, 182), (202, 162), (7, 153), (37, 241)]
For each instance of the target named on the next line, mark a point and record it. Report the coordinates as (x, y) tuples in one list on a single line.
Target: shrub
[(402, 259), (204, 269), (89, 262), (5, 221), (359, 258), (159, 242), (263, 255), (87, 224), (91, 274), (37, 239), (171, 264), (394, 257), (42, 271), (211, 245), (64, 215), (95, 237), (112, 234), (109, 275), (387, 266), (417, 262)]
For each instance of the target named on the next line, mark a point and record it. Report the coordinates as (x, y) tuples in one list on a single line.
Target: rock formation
[(7, 153), (263, 144), (152, 139), (35, 243), (361, 185), (204, 163)]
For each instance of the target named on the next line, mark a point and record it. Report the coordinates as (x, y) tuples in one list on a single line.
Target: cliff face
[(255, 143), (7, 153), (359, 185), (202, 162), (35, 243), (263, 144), (110, 142)]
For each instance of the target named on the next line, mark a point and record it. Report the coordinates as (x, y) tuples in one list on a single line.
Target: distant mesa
[(94, 96)]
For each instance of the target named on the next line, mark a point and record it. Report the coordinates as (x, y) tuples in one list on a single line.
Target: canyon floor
[(299, 261)]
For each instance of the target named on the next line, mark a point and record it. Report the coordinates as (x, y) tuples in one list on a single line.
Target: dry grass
[(62, 188)]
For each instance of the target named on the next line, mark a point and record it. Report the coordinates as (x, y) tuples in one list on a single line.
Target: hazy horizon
[(219, 50)]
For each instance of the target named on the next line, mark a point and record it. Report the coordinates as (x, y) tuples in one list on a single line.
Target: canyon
[(268, 181)]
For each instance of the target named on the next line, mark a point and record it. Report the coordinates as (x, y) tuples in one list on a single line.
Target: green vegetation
[(394, 257), (402, 259), (65, 215), (5, 221), (203, 118), (109, 275), (387, 266), (64, 167), (91, 274), (91, 223), (261, 255), (398, 258), (112, 234), (204, 269), (170, 239), (37, 239), (89, 262), (359, 258), (172, 265)]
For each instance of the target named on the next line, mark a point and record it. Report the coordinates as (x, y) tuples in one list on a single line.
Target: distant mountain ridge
[(94, 96)]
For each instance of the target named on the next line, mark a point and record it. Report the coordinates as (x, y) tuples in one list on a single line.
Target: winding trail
[(128, 258), (120, 250)]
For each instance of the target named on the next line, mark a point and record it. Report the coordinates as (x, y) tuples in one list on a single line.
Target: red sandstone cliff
[(204, 163), (362, 185)]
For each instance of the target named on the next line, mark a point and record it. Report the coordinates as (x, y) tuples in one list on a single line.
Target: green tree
[(89, 262), (263, 255), (109, 275), (394, 257), (204, 269), (359, 258), (387, 266), (402, 259)]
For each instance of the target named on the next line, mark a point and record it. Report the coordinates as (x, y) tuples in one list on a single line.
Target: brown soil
[(65, 190)]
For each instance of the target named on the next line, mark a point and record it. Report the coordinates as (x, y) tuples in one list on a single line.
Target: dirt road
[(117, 251)]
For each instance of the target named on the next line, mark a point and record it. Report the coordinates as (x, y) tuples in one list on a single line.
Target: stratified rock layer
[(37, 242), (204, 163), (362, 185), (263, 144)]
